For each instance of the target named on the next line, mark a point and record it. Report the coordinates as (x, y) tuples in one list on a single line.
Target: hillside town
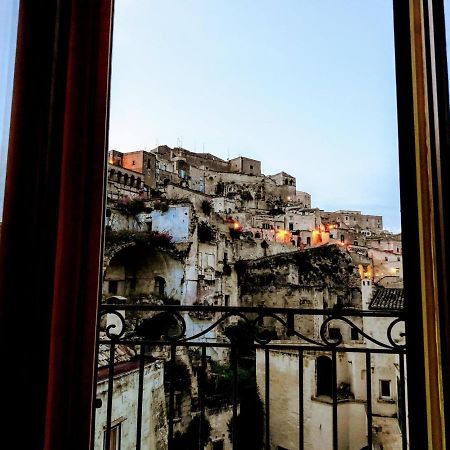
[(191, 229)]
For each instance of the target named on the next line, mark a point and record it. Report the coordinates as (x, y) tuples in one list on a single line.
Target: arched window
[(160, 286), (125, 179), (324, 376), (132, 181)]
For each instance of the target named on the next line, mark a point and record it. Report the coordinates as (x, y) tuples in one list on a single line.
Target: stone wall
[(124, 408)]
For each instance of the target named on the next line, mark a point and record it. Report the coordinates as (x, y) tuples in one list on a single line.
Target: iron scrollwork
[(169, 326)]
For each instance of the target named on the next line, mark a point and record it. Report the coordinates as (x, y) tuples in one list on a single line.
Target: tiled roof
[(388, 299), (122, 353)]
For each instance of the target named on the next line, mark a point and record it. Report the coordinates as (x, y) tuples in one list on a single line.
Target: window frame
[(60, 109), (385, 397), (114, 429)]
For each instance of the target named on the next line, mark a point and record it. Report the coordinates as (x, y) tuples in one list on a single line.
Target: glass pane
[(8, 32), (253, 256)]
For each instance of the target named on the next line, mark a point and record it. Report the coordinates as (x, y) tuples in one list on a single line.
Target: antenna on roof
[(228, 153)]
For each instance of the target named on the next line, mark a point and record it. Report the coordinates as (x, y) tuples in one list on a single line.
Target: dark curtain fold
[(52, 224)]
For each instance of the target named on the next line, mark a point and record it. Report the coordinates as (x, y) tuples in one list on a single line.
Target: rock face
[(322, 267)]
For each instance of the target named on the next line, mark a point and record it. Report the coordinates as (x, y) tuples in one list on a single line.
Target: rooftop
[(388, 299)]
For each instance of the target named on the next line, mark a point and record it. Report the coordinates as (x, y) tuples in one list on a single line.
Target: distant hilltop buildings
[(268, 206)]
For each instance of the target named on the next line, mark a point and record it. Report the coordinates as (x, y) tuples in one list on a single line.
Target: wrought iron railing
[(250, 338)]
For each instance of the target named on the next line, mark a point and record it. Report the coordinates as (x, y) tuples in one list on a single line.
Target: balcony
[(249, 378)]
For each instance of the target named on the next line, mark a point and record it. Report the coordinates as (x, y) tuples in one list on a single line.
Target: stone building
[(351, 382), (125, 401), (353, 218), (192, 229), (245, 165)]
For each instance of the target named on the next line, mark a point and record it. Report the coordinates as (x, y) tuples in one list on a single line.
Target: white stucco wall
[(284, 405), (175, 221), (124, 409)]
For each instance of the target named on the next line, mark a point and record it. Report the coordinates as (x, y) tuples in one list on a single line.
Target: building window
[(132, 284), (291, 226), (133, 163), (114, 439), (113, 286), (227, 300), (225, 257), (217, 445), (148, 164), (308, 240), (386, 258), (324, 375), (354, 332), (355, 242), (251, 167), (385, 389), (342, 238), (334, 333), (160, 286)]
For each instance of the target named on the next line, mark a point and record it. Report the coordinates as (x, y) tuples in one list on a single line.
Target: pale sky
[(305, 86)]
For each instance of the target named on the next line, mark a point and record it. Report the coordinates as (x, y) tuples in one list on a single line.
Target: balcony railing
[(250, 377)]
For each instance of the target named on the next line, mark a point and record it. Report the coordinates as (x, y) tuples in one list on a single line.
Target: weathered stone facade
[(192, 229)]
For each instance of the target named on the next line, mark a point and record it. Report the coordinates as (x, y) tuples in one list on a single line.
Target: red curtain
[(51, 238)]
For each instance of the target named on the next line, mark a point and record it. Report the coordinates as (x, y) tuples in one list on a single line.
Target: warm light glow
[(283, 236), (236, 225), (111, 161)]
